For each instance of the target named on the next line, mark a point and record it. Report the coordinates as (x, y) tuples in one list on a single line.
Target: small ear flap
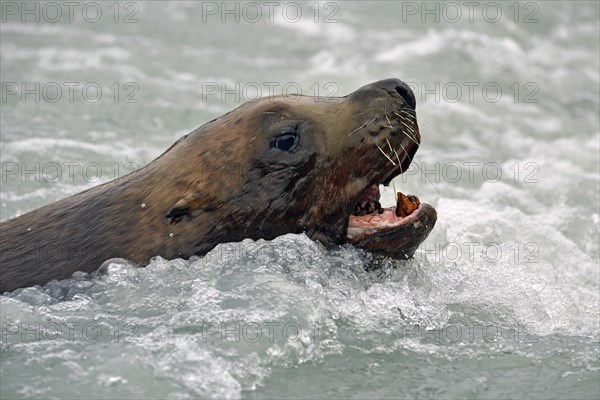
[(184, 207)]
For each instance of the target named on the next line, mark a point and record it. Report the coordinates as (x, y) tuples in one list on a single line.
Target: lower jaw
[(394, 232), (371, 224)]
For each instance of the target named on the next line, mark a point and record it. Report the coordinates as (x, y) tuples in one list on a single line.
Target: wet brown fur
[(224, 182)]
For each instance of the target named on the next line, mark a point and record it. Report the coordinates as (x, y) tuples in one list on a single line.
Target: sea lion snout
[(394, 87)]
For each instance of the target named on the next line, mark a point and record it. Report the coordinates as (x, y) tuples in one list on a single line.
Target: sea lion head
[(272, 166), (303, 164)]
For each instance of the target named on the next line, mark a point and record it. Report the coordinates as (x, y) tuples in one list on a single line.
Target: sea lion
[(269, 167)]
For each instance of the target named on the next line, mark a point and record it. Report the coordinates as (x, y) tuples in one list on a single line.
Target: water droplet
[(28, 229), (171, 234), (143, 205)]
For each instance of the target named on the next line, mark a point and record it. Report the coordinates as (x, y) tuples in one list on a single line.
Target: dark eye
[(286, 141)]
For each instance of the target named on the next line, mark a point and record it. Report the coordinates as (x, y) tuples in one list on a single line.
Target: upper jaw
[(384, 177)]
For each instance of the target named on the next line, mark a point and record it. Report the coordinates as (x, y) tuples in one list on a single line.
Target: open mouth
[(369, 216), (395, 231)]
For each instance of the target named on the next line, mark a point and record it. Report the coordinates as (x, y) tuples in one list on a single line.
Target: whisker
[(402, 117), (406, 117), (410, 129), (362, 126), (389, 122), (355, 130), (366, 111), (383, 152), (412, 113), (397, 157), (411, 138), (406, 152), (422, 123), (389, 145)]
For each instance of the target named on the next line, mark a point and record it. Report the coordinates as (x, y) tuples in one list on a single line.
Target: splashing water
[(501, 301)]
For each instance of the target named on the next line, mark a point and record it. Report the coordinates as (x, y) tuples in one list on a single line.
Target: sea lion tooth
[(414, 199), (404, 205)]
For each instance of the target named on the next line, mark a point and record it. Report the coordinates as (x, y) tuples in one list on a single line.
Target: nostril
[(407, 94)]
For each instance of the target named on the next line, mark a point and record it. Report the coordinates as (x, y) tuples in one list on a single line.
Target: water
[(502, 299)]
